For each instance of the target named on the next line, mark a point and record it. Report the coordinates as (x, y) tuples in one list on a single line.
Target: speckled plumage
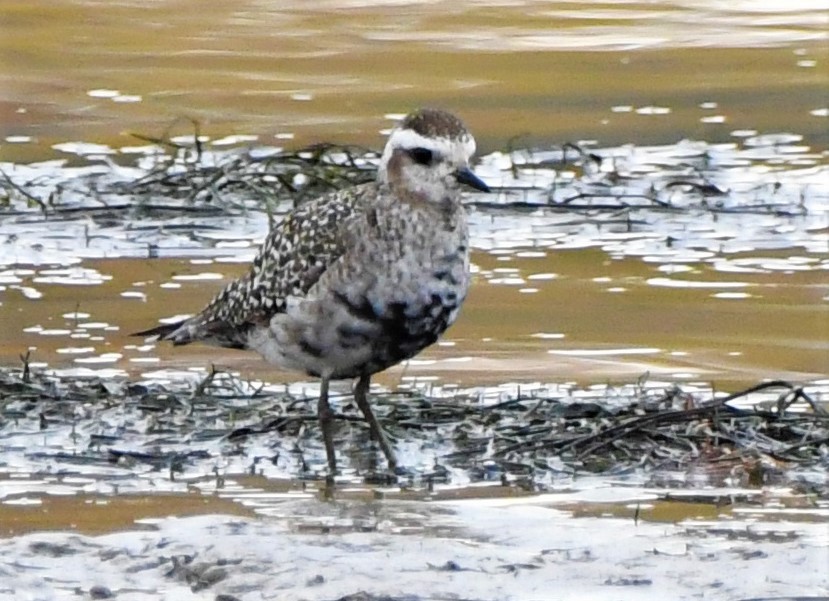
[(356, 281)]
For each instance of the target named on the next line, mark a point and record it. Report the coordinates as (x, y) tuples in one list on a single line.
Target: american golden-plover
[(356, 281)]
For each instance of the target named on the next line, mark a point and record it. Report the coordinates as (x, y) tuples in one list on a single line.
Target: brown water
[(547, 71), (522, 73), (103, 514), (620, 72), (593, 320)]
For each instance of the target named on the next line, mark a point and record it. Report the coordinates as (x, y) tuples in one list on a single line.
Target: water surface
[(617, 72), (728, 294)]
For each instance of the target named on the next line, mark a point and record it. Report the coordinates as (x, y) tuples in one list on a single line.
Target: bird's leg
[(326, 416), (361, 396)]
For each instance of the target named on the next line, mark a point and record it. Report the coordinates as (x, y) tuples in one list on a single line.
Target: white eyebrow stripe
[(446, 147), (409, 138)]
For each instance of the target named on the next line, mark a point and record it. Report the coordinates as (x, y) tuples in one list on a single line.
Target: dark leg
[(361, 396), (326, 416)]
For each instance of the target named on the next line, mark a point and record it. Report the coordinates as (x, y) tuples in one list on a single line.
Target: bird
[(355, 281)]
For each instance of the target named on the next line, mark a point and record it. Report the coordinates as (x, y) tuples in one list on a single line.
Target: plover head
[(427, 154)]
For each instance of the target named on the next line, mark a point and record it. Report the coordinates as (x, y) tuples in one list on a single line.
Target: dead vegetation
[(527, 441), (186, 176), (272, 177)]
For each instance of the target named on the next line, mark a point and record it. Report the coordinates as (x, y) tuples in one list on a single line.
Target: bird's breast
[(398, 286), (403, 307)]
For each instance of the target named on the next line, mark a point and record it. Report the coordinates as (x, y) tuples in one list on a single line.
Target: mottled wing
[(294, 255)]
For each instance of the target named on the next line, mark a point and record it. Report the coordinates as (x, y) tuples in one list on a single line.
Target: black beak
[(465, 176)]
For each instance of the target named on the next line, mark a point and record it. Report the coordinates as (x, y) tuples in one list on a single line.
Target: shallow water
[(617, 72), (547, 72), (730, 293), (478, 547), (636, 276), (571, 316)]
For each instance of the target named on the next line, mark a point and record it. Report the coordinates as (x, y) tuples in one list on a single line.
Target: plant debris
[(186, 175), (526, 440)]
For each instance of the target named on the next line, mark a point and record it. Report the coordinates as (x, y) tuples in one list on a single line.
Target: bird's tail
[(167, 331), (195, 329)]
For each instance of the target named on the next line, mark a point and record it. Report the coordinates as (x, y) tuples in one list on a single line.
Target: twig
[(25, 193)]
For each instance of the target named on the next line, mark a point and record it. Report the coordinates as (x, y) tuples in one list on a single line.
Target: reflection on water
[(86, 70), (470, 548), (692, 260), (732, 292), (580, 325)]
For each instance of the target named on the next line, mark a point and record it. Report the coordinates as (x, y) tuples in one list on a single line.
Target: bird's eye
[(421, 156)]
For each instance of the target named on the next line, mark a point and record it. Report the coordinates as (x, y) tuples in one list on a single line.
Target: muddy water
[(291, 73), (103, 514), (564, 316), (617, 72), (557, 546), (521, 73)]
